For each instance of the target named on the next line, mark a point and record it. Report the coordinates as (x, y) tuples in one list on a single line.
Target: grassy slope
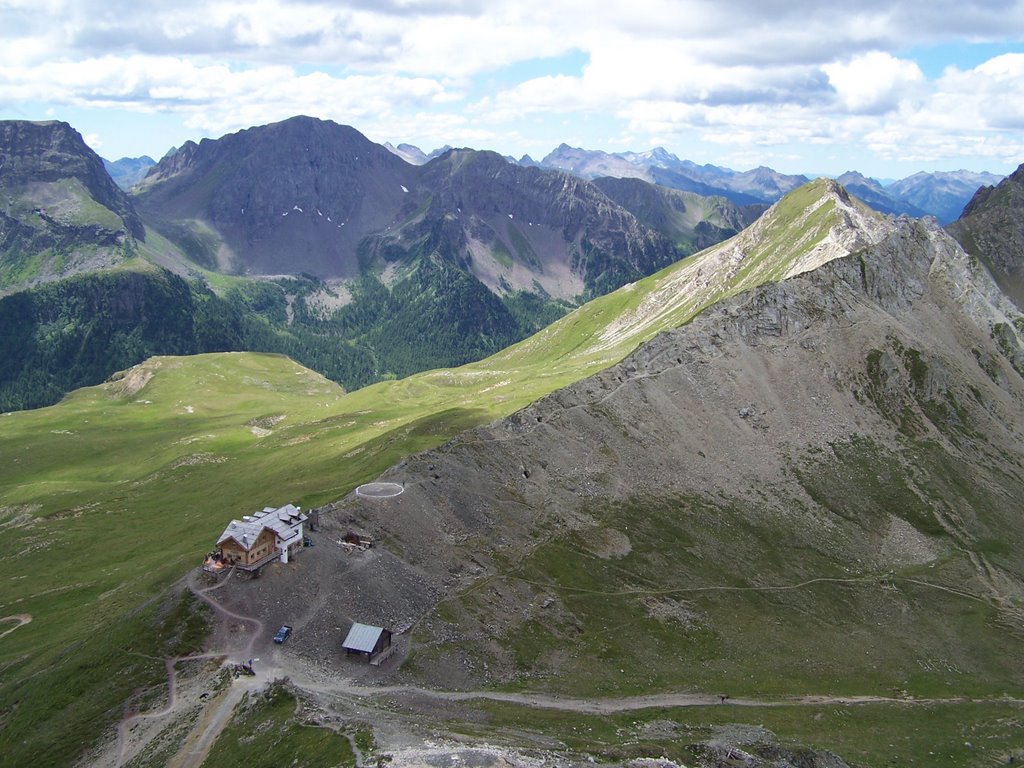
[(69, 203), (268, 730), (106, 499), (940, 735)]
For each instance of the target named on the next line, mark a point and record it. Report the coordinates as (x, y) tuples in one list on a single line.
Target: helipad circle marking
[(379, 490)]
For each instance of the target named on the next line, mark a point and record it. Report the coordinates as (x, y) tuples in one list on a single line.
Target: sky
[(886, 87)]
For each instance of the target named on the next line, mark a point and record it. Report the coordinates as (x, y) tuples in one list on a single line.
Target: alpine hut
[(260, 538)]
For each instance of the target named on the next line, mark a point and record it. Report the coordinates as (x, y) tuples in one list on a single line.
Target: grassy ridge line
[(108, 497)]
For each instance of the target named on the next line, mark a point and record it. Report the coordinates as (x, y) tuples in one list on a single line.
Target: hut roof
[(284, 522), (362, 637)]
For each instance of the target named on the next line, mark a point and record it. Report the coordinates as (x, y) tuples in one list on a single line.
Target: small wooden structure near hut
[(372, 642), (352, 541)]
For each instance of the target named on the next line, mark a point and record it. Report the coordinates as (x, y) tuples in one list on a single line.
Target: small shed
[(372, 642)]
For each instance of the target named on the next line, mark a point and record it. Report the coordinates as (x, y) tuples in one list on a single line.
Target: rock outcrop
[(60, 212), (991, 228)]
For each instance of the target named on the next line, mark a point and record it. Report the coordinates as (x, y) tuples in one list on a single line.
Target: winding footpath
[(625, 703), (197, 748)]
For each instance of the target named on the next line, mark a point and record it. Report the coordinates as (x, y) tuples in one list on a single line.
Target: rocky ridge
[(816, 225), (60, 212), (991, 229), (526, 229)]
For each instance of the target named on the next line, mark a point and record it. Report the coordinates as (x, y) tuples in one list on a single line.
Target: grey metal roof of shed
[(362, 637)]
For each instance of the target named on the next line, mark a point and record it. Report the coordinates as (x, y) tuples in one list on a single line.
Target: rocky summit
[(290, 197), (60, 212)]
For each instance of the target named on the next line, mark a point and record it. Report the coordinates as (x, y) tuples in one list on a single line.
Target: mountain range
[(314, 197), (757, 508), (304, 237), (939, 194), (129, 171), (942, 194)]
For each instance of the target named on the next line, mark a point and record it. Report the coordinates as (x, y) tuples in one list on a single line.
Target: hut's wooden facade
[(258, 539), (234, 552)]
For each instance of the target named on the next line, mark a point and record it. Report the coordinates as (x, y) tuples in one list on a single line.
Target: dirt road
[(198, 741)]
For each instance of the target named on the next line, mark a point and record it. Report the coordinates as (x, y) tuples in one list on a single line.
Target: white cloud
[(874, 83), (974, 112), (174, 84), (463, 38), (736, 73)]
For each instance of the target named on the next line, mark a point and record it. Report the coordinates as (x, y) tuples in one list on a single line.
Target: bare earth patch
[(198, 458), (134, 379), (18, 515), (263, 425), (667, 609), (606, 543), (21, 618), (905, 545)]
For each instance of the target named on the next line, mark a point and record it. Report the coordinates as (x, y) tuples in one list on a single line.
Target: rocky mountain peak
[(33, 153), (176, 161), (60, 211), (302, 190), (811, 226), (870, 395), (991, 228)]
